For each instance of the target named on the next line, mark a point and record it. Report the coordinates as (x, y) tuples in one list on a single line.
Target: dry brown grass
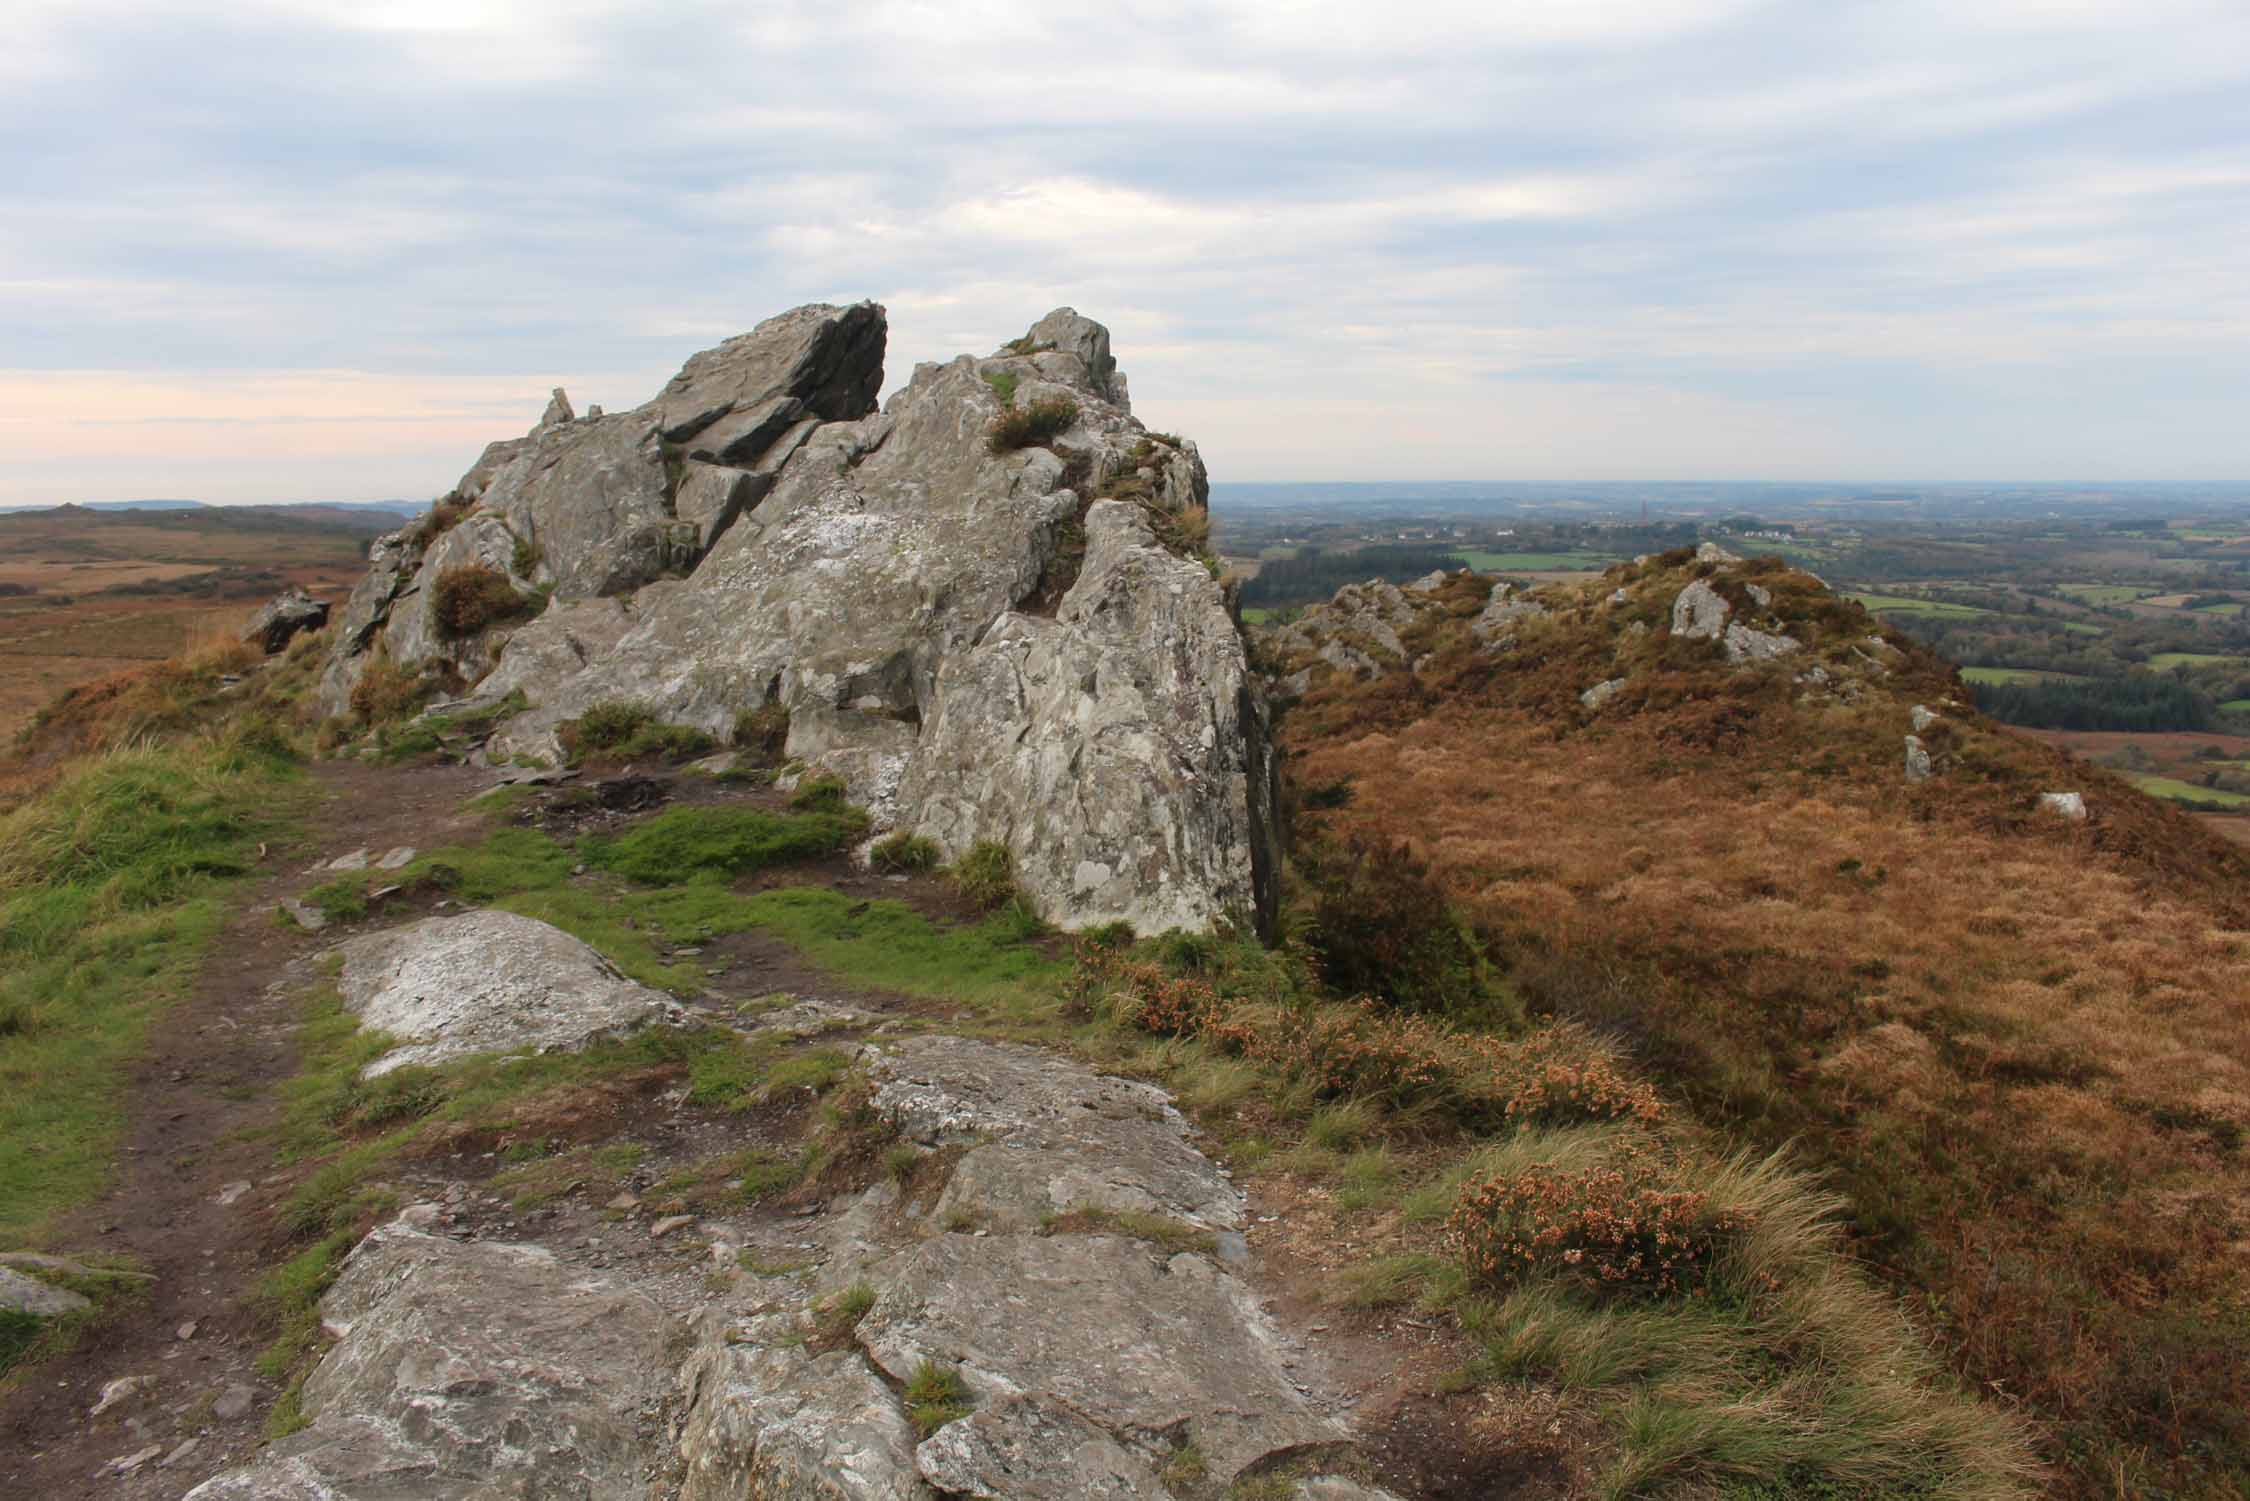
[(2020, 1047)]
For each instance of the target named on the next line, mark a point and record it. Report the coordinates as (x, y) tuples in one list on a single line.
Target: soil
[(201, 1101)]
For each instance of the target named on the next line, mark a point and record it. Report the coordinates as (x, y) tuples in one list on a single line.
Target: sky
[(293, 249)]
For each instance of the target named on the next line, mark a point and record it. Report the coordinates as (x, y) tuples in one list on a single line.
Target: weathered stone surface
[(711, 496), (1699, 612), (21, 1294), (1131, 783), (593, 498), (414, 635), (280, 618), (488, 982), (1048, 1135), (828, 360), (468, 1370), (769, 1419), (2070, 805), (1502, 610), (558, 410), (1601, 693), (1712, 552), (1746, 645), (1922, 717), (1086, 341), (1032, 1448), (1919, 767), (1153, 1350)]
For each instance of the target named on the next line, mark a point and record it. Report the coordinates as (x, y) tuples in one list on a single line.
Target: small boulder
[(2070, 805), (488, 982), (281, 618), (1600, 693), (1712, 552), (1746, 645), (1918, 765), (21, 1294), (558, 411), (1700, 612), (1923, 717)]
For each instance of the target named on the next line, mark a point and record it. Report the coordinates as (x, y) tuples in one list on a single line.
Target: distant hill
[(384, 507)]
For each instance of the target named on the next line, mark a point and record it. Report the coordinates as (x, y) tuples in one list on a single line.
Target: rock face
[(984, 645), (487, 982), (468, 1370), (280, 619), (478, 1370)]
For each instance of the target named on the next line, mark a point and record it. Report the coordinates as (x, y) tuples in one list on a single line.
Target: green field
[(1534, 562), (2188, 792), (2081, 628), (2165, 660), (1253, 615), (2236, 706), (2103, 594), (2231, 607), (1899, 604), (2017, 675)]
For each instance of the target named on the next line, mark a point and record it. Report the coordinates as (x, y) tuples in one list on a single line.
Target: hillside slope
[(1680, 803)]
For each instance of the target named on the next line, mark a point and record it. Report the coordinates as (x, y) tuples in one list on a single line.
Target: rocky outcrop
[(1699, 613), (485, 982), (470, 1370), (1084, 1358), (280, 619), (985, 645)]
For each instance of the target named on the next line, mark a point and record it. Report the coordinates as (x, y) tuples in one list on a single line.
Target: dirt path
[(201, 1102)]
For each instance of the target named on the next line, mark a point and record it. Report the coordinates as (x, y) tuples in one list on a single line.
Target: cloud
[(1549, 236)]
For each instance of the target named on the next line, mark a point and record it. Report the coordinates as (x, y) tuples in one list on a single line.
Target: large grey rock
[(1034, 1449), (1046, 1135), (1153, 1350), (768, 1418), (42, 1300), (488, 982), (1067, 332), (1919, 767), (1699, 612), (821, 361), (280, 619), (1503, 610), (468, 1370), (1746, 645), (1117, 749)]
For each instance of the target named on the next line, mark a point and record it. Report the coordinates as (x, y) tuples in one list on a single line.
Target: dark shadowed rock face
[(280, 619), (985, 645)]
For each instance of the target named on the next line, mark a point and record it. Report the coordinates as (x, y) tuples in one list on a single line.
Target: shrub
[(906, 852), (985, 874), (1611, 1229), (819, 794), (386, 691), (471, 596), (445, 513), (1031, 426), (935, 1397), (1382, 925), (1003, 383), (619, 731), (762, 731)]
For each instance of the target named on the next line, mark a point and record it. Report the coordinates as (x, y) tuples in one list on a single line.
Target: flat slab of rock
[(21, 1294), (1051, 1135), (465, 1370), (1034, 1449), (488, 982), (1149, 1348)]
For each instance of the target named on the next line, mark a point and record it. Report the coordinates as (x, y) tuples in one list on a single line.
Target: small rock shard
[(131, 1462), (356, 860), (397, 859), (668, 1224), (123, 1389), (228, 1193), (1601, 693), (309, 918), (235, 1402), (21, 1294)]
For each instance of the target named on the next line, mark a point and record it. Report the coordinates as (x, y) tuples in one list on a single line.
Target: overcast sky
[(277, 249)]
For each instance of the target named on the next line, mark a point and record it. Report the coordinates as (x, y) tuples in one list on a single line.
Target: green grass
[(2104, 594), (1899, 604), (2236, 706), (1535, 562), (2175, 790), (935, 1396), (682, 844), (2164, 661), (2016, 675), (113, 887)]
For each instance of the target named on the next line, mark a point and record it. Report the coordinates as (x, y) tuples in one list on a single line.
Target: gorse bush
[(1031, 425), (621, 731), (1382, 925), (1613, 1229), (386, 691), (904, 851), (471, 596)]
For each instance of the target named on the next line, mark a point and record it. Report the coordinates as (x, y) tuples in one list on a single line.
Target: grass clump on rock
[(622, 731), (471, 596), (905, 851), (1031, 425)]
